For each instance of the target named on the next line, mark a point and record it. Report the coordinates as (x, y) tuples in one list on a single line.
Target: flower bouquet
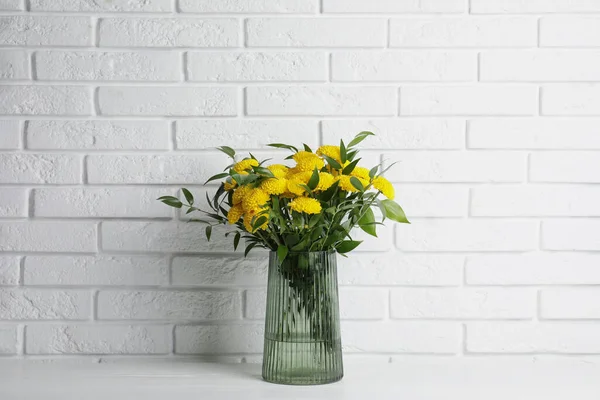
[(304, 214)]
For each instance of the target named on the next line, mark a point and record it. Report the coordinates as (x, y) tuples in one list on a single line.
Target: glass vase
[(302, 327)]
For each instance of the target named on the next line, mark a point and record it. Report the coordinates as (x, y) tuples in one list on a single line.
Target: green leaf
[(343, 154), (373, 171), (359, 138), (292, 239), (306, 148), (188, 196), (347, 245), (263, 171), (357, 184), (328, 194), (227, 150), (333, 163), (258, 222), (217, 176), (393, 211), (236, 240), (314, 180), (172, 202), (208, 231), (167, 198), (367, 222), (283, 146), (351, 154), (350, 167), (248, 248), (282, 252)]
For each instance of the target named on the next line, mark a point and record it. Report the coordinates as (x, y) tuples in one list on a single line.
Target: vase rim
[(308, 252)]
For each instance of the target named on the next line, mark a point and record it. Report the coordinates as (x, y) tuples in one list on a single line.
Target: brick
[(13, 202), (48, 236), (433, 200), (468, 100), (96, 339), (12, 5), (567, 167), (391, 6), (45, 100), (540, 65), (169, 305), (108, 66), (21, 30), (580, 303), (539, 133), (410, 269), (168, 32), (171, 101), (444, 166), (106, 6), (34, 304), (417, 66), (100, 202), (383, 242), (468, 235), (570, 31), (401, 337), (463, 303), (14, 64), (40, 168), (533, 6), (533, 269), (95, 270), (525, 337), (257, 66), (321, 100), (252, 6), (463, 32), (9, 270), (367, 304), (245, 134), (398, 133), (571, 235), (576, 99), (10, 134), (316, 32), (162, 237), (9, 341), (153, 169), (97, 135), (532, 201), (219, 270), (219, 339)]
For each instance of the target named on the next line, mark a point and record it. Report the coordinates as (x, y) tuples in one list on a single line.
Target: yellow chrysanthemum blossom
[(274, 186), (297, 179), (361, 172), (245, 165), (306, 205), (330, 151), (325, 181), (279, 170), (235, 213), (307, 161), (229, 185), (255, 199), (385, 187), (240, 193), (345, 183), (248, 221)]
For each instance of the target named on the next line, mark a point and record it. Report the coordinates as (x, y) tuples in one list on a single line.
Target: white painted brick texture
[(491, 109)]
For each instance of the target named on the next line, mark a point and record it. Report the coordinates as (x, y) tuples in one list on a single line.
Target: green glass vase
[(302, 327)]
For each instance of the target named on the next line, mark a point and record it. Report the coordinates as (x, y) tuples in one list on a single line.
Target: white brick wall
[(490, 107)]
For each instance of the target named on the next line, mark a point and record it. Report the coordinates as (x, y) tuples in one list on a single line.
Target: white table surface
[(449, 379)]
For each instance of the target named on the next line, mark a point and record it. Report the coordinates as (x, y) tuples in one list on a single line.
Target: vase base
[(300, 380)]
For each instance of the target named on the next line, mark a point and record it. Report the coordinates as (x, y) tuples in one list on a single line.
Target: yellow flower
[(279, 170), (306, 205), (235, 213), (361, 172), (274, 185), (330, 151), (295, 180), (325, 181), (249, 216), (255, 199), (307, 161), (385, 187), (345, 183), (229, 185), (240, 193), (244, 165)]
